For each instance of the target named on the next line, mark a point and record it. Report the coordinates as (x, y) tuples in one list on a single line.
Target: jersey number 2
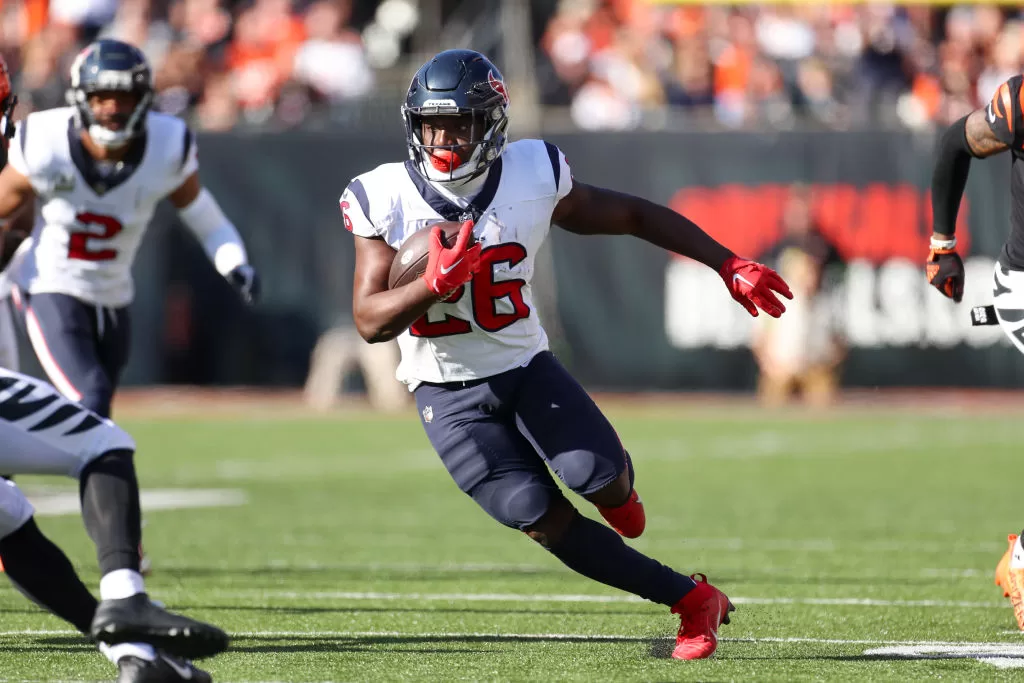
[(78, 242), (485, 293)]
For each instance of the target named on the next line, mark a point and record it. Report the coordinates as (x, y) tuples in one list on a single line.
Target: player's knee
[(108, 441), (614, 493), (119, 462), (15, 510), (587, 472), (96, 389), (551, 527), (98, 398), (515, 505)]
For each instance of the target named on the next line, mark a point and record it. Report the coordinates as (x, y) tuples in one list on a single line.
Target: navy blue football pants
[(82, 347), (498, 437)]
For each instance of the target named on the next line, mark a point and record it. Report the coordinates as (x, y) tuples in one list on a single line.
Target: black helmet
[(461, 82), (106, 66)]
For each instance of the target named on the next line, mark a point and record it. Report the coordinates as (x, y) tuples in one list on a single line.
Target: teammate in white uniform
[(496, 405), (96, 171)]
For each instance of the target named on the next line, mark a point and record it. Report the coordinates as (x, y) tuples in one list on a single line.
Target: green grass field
[(849, 542)]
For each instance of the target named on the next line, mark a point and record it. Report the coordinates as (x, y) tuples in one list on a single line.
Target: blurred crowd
[(622, 64), (217, 62), (616, 64)]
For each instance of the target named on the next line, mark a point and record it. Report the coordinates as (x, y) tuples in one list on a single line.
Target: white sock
[(115, 652), (1017, 557), (121, 583)]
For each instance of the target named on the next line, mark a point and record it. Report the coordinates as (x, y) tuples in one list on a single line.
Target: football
[(411, 260)]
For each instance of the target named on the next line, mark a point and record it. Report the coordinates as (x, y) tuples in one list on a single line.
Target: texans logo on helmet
[(497, 85), (80, 59)]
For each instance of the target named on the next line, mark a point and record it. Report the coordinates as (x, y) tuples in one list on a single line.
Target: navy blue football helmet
[(457, 82), (111, 66)]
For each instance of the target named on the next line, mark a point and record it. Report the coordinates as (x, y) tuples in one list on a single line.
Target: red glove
[(450, 268), (752, 283)]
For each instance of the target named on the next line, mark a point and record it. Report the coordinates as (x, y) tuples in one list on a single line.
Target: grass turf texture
[(356, 558)]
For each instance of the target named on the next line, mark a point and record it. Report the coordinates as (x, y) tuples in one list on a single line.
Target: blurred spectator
[(219, 63), (205, 23), (134, 23), (802, 352), (332, 59), (40, 80), (616, 64), (218, 109), (689, 83), (261, 55), (181, 78), (772, 65), (89, 16)]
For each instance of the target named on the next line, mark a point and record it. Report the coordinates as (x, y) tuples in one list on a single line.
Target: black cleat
[(138, 620), (165, 669)]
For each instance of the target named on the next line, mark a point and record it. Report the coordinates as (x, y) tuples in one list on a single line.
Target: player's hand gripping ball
[(446, 256)]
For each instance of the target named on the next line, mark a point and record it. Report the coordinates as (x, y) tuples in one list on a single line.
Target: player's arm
[(16, 193), (200, 212), (589, 210), (15, 232), (381, 314), (971, 136), (980, 134)]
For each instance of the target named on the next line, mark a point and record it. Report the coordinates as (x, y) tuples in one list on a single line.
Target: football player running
[(96, 171), (496, 405), (994, 129), (44, 433)]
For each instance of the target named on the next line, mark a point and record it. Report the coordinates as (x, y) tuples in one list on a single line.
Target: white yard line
[(549, 636), (558, 597), (68, 503), (1004, 655)]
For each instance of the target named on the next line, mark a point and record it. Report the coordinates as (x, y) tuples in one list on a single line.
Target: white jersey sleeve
[(190, 156), (28, 156), (371, 205), (355, 211), (176, 145), (561, 170)]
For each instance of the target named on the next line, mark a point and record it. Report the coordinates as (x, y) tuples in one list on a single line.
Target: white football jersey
[(490, 325), (89, 223)]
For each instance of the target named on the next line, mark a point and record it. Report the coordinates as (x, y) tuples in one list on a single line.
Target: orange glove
[(945, 271)]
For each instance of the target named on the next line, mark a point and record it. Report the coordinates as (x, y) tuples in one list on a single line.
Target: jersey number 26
[(486, 291)]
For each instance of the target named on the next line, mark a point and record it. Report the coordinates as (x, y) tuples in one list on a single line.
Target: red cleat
[(629, 518), (701, 612)]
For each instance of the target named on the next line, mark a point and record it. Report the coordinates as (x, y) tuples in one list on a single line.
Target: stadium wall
[(629, 317)]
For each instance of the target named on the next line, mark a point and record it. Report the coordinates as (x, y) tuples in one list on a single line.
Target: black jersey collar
[(86, 165), (449, 211)]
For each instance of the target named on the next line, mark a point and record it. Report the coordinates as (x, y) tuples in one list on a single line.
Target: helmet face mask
[(456, 83), (106, 69)]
